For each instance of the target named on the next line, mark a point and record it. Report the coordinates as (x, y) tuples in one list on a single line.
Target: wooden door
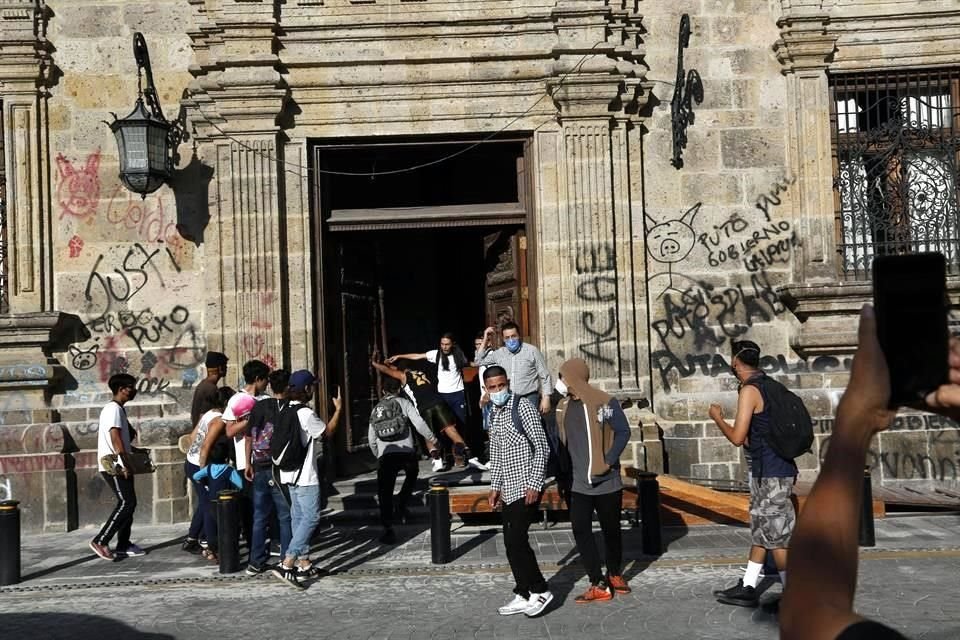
[(506, 291), (363, 328)]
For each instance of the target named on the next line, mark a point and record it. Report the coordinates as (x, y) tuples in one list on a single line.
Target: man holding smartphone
[(772, 515)]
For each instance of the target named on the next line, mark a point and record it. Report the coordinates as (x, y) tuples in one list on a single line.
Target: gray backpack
[(389, 421)]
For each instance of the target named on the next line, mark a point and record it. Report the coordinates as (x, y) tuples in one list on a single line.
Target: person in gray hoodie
[(391, 441), (593, 429)]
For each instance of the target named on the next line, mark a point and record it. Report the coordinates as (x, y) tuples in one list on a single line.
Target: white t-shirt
[(112, 415), (447, 381), (311, 428), (193, 455), (229, 416)]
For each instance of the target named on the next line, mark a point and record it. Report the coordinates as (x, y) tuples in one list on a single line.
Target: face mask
[(561, 387), (500, 398), (513, 344)]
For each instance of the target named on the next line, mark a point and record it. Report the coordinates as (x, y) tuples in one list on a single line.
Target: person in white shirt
[(304, 483), (450, 362), (113, 439)]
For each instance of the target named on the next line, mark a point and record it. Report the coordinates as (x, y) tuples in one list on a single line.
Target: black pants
[(607, 507), (121, 519), (390, 466), (517, 517)]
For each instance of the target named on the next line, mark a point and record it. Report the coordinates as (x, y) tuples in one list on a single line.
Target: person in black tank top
[(772, 515)]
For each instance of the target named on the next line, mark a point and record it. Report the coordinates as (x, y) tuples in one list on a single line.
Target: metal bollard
[(648, 494), (867, 535), (439, 502), (9, 542), (228, 531)]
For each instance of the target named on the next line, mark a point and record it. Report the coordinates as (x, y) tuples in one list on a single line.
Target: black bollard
[(228, 531), (9, 542), (439, 499), (648, 494), (868, 537)]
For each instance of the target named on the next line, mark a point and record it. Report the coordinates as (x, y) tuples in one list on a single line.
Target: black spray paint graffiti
[(772, 197), (671, 241), (597, 285), (120, 286), (712, 365), (84, 359), (941, 462)]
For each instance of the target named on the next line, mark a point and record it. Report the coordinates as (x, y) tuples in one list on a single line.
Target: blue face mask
[(513, 344), (500, 398)]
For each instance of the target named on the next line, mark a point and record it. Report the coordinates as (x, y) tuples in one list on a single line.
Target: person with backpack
[(297, 430), (391, 441), (518, 457), (216, 476), (763, 407), (593, 431), (270, 506)]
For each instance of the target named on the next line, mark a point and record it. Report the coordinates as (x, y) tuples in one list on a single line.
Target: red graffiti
[(266, 300), (137, 214), (75, 245), (253, 348), (79, 191)]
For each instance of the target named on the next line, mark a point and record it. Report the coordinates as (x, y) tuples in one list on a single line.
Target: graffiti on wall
[(670, 242), (596, 290), (78, 189)]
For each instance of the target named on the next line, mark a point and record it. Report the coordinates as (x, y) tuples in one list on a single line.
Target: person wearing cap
[(593, 430), (772, 515), (304, 483), (205, 394)]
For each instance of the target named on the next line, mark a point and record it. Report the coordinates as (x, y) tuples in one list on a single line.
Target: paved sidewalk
[(910, 580)]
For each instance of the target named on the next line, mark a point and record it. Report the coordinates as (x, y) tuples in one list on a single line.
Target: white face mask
[(561, 387)]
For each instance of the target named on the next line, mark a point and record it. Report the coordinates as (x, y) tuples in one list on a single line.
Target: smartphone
[(910, 300)]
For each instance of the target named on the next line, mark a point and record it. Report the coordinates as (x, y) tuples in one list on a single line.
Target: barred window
[(896, 139)]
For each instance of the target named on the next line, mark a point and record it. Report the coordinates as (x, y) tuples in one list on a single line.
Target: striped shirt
[(517, 458), (526, 369)]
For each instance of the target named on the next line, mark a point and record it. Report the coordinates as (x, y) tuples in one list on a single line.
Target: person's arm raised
[(407, 356), (747, 403), (818, 599)]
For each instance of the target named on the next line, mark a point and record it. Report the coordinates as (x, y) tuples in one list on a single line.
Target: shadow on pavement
[(54, 626)]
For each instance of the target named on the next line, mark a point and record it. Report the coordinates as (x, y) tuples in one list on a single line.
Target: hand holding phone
[(909, 293)]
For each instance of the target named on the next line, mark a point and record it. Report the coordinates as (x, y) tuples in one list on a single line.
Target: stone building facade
[(540, 137)]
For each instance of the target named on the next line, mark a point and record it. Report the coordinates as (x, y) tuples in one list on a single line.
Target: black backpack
[(791, 430), (389, 421), (286, 444)]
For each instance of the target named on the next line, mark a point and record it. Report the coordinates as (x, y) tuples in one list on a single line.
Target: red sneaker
[(595, 593), (619, 584)]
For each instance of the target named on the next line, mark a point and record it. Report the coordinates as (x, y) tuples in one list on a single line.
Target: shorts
[(438, 417), (772, 516)]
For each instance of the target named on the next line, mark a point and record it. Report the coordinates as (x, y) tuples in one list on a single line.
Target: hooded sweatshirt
[(595, 453)]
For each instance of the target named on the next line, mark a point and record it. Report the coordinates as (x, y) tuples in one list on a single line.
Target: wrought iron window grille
[(896, 163)]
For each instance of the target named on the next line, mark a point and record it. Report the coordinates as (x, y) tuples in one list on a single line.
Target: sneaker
[(519, 604), (619, 584), (311, 571), (729, 590), (742, 597), (255, 569), (101, 550), (288, 576), (204, 544), (132, 551), (388, 537), (476, 464), (191, 546), (596, 593), (538, 603), (275, 548), (437, 465)]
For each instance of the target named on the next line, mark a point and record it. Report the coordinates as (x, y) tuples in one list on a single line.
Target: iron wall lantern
[(146, 140)]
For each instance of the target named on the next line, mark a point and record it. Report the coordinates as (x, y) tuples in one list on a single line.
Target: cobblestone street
[(909, 581)]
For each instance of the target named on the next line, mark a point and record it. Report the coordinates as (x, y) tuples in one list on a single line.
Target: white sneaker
[(437, 465), (519, 604), (537, 603), (476, 464)]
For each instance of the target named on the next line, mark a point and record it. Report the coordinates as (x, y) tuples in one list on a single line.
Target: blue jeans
[(267, 500), (200, 499), (304, 516)]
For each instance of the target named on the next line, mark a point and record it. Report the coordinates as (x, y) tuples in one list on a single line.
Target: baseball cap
[(301, 379)]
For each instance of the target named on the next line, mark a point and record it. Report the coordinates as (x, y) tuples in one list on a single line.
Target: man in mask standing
[(518, 455), (525, 366)]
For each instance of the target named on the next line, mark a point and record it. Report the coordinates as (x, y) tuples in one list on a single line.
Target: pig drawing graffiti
[(84, 359), (78, 192), (670, 242)]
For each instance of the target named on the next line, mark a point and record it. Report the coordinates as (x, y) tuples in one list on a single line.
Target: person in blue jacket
[(593, 429), (217, 476)]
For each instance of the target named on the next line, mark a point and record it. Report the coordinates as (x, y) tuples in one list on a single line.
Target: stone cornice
[(805, 43), (25, 52)]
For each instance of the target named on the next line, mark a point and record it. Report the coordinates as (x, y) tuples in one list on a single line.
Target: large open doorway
[(408, 256)]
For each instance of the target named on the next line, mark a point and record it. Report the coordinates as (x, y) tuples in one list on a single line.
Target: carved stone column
[(237, 98)]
